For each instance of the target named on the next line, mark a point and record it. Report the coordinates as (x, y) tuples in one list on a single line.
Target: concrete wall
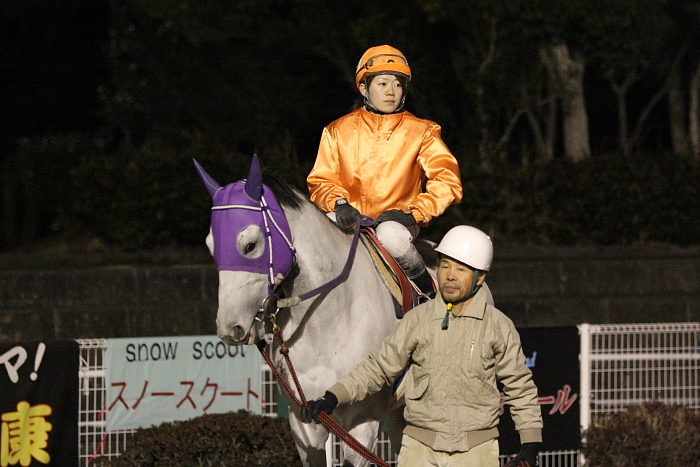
[(83, 295), (600, 285)]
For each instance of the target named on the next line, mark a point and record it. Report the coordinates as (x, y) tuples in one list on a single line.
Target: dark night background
[(53, 58), (106, 102)]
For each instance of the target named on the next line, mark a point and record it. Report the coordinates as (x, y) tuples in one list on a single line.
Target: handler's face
[(454, 280)]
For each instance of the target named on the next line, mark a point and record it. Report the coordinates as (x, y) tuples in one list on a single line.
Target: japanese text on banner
[(162, 379)]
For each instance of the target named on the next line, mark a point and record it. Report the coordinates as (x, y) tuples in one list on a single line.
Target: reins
[(325, 419), (272, 301), (291, 301)]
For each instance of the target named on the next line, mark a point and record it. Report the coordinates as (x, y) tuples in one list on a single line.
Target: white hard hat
[(467, 245)]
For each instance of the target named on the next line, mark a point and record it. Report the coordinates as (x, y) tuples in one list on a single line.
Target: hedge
[(232, 439)]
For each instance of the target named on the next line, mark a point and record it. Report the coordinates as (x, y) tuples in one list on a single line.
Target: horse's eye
[(250, 242)]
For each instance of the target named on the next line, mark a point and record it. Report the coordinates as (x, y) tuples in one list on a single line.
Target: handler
[(384, 162), (458, 348)]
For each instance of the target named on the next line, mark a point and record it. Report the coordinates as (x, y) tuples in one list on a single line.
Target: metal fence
[(621, 365), (627, 364), (96, 441)]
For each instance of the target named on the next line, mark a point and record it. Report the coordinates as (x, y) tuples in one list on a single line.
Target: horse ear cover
[(209, 182), (254, 185), (226, 213)]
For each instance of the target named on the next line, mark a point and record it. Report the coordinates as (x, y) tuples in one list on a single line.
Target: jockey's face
[(385, 92), (455, 280)]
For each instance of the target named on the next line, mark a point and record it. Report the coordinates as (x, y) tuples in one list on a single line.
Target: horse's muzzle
[(236, 336)]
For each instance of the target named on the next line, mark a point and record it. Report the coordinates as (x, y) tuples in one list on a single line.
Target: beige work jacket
[(452, 400)]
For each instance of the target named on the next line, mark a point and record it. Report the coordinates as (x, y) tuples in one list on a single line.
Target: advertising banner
[(163, 379), (39, 403), (552, 355)]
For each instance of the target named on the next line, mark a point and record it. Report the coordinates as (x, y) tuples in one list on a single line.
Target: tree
[(51, 66), (684, 78), (624, 43), (566, 69)]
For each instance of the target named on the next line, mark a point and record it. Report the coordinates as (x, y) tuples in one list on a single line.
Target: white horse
[(327, 335)]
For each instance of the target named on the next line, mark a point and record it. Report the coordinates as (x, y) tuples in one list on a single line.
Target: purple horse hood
[(250, 235)]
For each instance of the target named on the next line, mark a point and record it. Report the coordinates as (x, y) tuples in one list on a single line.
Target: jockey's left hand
[(527, 456), (397, 215), (309, 413), (346, 216)]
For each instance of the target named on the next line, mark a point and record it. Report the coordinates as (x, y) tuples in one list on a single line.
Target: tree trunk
[(551, 123), (567, 72), (620, 91), (677, 111), (693, 116)]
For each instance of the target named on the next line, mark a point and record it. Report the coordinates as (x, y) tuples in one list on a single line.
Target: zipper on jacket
[(471, 355)]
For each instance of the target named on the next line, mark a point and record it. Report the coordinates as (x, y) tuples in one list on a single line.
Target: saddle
[(405, 293)]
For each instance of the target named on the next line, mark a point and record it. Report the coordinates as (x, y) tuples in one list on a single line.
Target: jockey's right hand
[(327, 403), (397, 215), (345, 215)]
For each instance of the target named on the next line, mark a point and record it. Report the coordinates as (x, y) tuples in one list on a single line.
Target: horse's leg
[(366, 433), (394, 415), (310, 440), (395, 424)]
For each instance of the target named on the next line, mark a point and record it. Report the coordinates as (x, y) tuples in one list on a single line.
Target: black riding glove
[(397, 215), (345, 215), (327, 403), (527, 457)]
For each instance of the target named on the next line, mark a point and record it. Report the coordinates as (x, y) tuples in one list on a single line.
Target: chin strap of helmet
[(446, 321), (370, 108), (475, 289)]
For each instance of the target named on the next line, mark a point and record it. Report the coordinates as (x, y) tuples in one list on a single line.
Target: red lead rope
[(325, 419)]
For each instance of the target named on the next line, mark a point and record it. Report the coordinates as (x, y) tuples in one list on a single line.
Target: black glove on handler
[(345, 215), (327, 403), (527, 457), (397, 215)]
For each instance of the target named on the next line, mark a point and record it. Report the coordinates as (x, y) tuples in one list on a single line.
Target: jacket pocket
[(418, 388)]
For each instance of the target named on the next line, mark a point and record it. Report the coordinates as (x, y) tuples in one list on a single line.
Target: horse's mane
[(288, 191)]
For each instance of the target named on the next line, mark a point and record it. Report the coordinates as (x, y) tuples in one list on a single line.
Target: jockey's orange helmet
[(382, 59)]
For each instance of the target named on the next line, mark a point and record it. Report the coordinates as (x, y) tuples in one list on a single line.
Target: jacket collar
[(475, 309), (387, 122)]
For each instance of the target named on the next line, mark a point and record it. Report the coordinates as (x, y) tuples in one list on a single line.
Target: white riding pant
[(398, 239)]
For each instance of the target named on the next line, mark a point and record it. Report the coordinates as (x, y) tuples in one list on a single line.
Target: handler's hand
[(327, 403), (527, 456)]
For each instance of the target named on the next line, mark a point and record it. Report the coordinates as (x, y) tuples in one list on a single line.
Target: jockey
[(384, 162)]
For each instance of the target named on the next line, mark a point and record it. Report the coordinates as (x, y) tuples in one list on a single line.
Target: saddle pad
[(391, 273)]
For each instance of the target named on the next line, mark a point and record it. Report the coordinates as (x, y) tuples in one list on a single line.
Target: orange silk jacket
[(382, 162)]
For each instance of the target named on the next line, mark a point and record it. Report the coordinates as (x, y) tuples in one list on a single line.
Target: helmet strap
[(446, 321), (370, 108), (475, 289)]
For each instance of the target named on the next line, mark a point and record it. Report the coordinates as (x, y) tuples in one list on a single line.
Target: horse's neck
[(322, 251), (321, 248)]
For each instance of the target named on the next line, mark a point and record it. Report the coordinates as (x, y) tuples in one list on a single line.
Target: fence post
[(585, 380)]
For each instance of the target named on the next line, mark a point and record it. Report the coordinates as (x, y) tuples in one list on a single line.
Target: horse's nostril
[(232, 334), (238, 333)]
